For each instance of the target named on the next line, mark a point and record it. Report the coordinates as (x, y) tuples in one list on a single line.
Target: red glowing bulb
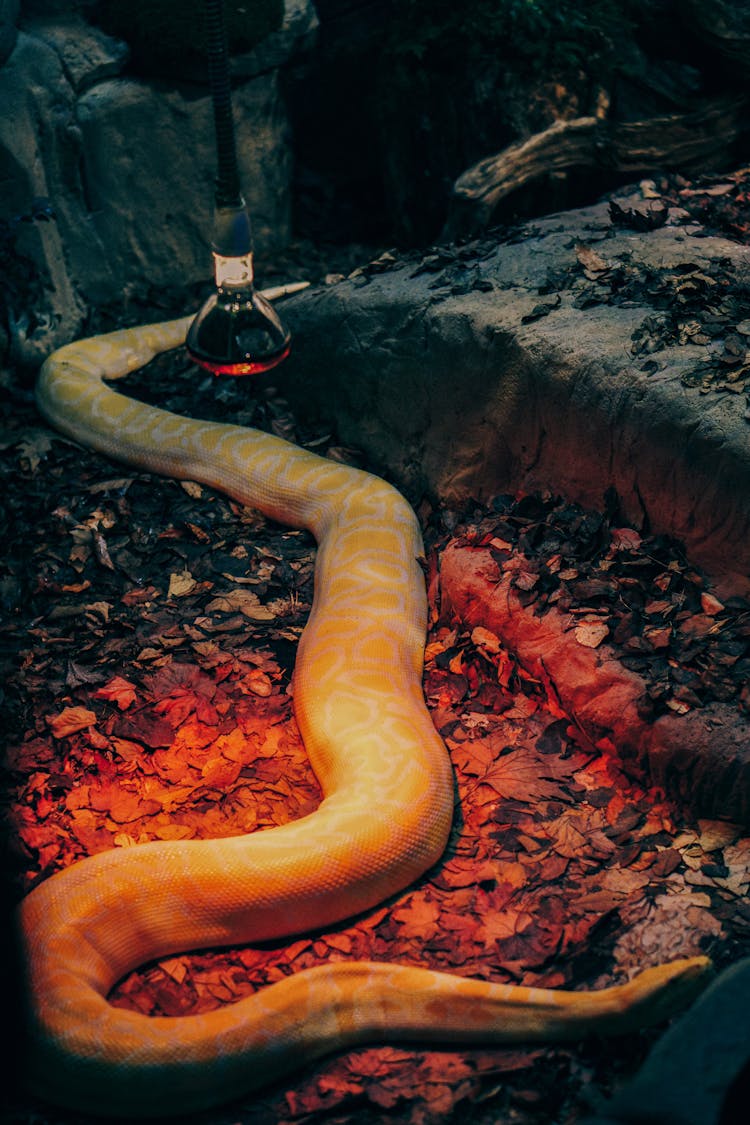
[(253, 368), (237, 332)]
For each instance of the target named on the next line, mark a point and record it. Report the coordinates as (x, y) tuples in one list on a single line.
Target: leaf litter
[(704, 305), (147, 699)]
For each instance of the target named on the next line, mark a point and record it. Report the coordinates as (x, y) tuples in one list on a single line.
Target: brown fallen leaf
[(710, 605), (70, 720), (181, 583), (175, 832), (119, 691), (242, 601), (518, 771), (220, 772), (144, 727), (121, 805), (485, 639), (593, 264), (33, 447), (625, 539), (591, 633), (193, 489), (503, 924), (418, 917), (256, 682), (667, 861)]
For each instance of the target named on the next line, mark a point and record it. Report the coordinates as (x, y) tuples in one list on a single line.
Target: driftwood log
[(689, 141)]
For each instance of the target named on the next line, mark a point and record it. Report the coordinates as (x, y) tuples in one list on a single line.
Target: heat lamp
[(236, 332)]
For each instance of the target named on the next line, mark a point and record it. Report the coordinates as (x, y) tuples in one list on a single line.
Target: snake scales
[(384, 818)]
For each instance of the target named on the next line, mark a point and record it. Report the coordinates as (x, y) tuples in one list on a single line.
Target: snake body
[(384, 818)]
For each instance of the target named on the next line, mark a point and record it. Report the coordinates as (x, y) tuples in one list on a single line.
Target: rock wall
[(8, 30), (127, 164), (511, 365)]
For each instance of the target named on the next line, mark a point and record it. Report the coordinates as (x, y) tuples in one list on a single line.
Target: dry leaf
[(418, 918), (70, 720), (242, 601), (716, 834), (591, 633), (121, 805), (483, 638), (593, 264), (180, 584), (625, 539), (502, 925), (119, 691), (175, 832), (98, 609), (257, 682), (521, 773), (711, 605), (34, 447)]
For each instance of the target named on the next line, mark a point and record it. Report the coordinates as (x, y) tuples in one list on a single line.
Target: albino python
[(384, 819)]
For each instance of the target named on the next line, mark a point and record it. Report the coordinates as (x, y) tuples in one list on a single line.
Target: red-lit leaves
[(636, 592), (120, 691), (154, 626), (549, 862), (162, 760), (150, 702)]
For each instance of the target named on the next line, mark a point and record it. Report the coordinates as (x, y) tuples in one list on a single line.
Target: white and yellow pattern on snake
[(384, 819)]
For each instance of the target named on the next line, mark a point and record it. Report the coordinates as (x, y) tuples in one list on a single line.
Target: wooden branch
[(678, 141)]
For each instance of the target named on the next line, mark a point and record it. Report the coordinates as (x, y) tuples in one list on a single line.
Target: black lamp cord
[(228, 192)]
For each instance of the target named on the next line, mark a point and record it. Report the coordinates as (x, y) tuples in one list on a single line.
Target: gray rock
[(430, 368), (8, 29), (128, 167), (147, 167), (38, 107), (687, 1078), (297, 33), (86, 53)]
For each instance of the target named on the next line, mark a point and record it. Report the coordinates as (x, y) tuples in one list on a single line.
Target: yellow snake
[(384, 818)]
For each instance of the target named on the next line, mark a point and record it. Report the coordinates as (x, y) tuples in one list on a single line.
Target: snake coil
[(384, 819)]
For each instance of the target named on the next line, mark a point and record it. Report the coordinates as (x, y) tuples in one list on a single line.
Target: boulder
[(697, 1074), (8, 30), (500, 365), (37, 159), (297, 34), (128, 165), (147, 166), (87, 55)]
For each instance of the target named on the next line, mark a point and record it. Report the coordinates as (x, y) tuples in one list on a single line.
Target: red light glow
[(255, 367)]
